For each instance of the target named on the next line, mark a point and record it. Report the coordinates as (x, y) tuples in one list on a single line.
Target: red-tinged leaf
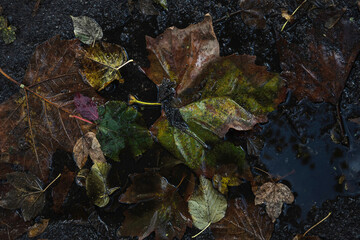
[(86, 107), (243, 221), (159, 208), (180, 54), (319, 72)]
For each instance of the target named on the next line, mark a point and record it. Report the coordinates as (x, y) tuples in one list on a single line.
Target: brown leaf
[(85, 146), (53, 74), (273, 195), (38, 228), (243, 221), (180, 54), (319, 72), (160, 208), (254, 11), (60, 191), (12, 225)]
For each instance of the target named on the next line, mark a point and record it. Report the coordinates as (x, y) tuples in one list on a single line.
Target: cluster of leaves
[(7, 32), (202, 96)]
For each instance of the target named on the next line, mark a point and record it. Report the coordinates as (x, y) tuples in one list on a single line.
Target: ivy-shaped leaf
[(101, 64), (122, 127)]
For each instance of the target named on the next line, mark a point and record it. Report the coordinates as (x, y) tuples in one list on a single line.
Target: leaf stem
[(317, 224), (201, 231), (133, 100), (82, 119), (129, 61), (51, 183), (293, 14)]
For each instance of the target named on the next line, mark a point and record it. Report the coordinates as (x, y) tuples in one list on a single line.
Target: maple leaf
[(119, 127), (206, 205), (160, 208), (319, 72), (34, 126), (273, 195), (243, 221)]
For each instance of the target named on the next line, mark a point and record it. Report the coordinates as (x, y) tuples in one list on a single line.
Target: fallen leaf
[(86, 29), (253, 12), (7, 32), (243, 221), (273, 195), (86, 107), (101, 64), (319, 71), (61, 189), (180, 54), (97, 187), (12, 225), (88, 145), (53, 75), (121, 127), (226, 176), (27, 194), (38, 228), (206, 205), (159, 208)]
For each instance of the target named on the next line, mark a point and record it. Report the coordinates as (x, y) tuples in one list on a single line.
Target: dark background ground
[(129, 30)]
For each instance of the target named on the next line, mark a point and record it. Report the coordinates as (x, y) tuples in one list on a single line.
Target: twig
[(317, 224), (293, 14)]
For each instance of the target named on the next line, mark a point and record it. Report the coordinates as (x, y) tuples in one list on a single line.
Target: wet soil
[(297, 136)]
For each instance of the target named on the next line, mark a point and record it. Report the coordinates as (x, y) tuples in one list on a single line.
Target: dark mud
[(297, 136)]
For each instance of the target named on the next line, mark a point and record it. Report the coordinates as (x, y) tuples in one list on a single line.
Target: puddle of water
[(298, 139)]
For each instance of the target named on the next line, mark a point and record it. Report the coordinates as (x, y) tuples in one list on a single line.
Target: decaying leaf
[(27, 194), (97, 187), (88, 145), (7, 32), (53, 75), (253, 12), (122, 127), (38, 228), (86, 29), (12, 225), (319, 72), (273, 195), (243, 221), (159, 208), (101, 64), (180, 54), (207, 205), (226, 176), (86, 107)]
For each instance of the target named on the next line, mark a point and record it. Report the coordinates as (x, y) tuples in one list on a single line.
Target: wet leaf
[(101, 64), (159, 208), (51, 128), (7, 32), (273, 195), (180, 54), (122, 127), (97, 187), (88, 145), (180, 144), (86, 107), (243, 221), (250, 86), (207, 205), (86, 29), (38, 228), (61, 189), (226, 176), (12, 225), (319, 72), (253, 12), (218, 115), (27, 194)]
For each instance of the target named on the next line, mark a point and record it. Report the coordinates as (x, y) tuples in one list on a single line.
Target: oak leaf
[(206, 206), (273, 195), (159, 208), (243, 221)]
